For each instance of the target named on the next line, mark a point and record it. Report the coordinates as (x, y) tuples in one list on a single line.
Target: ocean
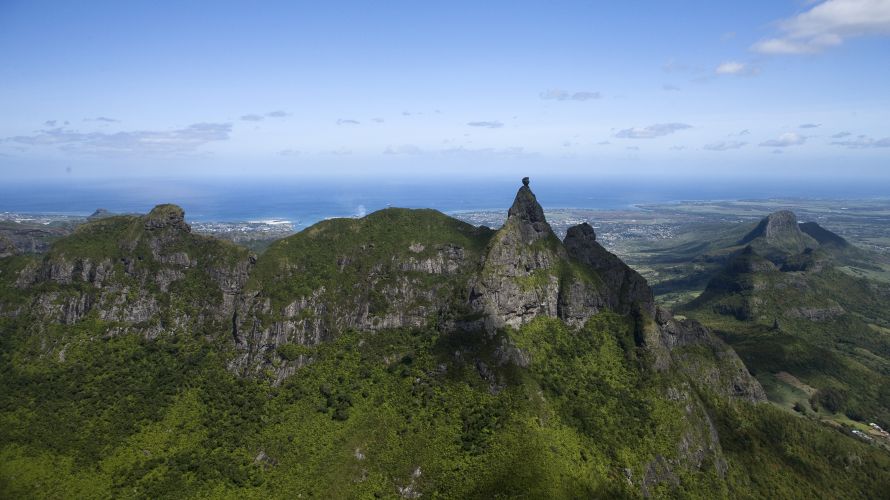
[(306, 202)]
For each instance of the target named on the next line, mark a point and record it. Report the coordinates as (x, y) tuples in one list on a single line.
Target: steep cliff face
[(395, 268), (523, 268), (141, 275), (625, 290), (705, 360)]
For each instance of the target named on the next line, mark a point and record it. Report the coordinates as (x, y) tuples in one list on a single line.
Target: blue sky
[(326, 89)]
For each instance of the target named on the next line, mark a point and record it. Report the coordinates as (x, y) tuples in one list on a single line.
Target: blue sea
[(306, 202)]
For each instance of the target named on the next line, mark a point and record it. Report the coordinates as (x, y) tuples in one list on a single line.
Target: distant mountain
[(777, 234), (803, 325), (401, 354)]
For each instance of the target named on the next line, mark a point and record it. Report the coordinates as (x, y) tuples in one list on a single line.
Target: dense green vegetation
[(127, 417), (301, 264), (94, 406), (847, 353)]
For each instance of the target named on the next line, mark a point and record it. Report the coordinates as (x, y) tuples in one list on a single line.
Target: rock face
[(163, 216), (723, 372), (7, 246), (521, 275), (138, 275), (625, 290)]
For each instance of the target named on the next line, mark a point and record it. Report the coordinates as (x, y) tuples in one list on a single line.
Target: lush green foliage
[(90, 410), (848, 354)]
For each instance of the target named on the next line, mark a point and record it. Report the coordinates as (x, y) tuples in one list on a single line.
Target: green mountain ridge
[(397, 355), (804, 326)]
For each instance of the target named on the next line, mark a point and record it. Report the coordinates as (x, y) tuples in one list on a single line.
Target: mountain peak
[(527, 213), (778, 232), (780, 223), (167, 215)]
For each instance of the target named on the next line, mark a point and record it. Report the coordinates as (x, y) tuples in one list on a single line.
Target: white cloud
[(724, 145), (565, 95), (405, 149), (183, 140), (730, 68), (785, 140), (486, 124), (827, 25), (652, 131), (510, 152), (103, 119), (864, 142), (809, 125), (346, 121)]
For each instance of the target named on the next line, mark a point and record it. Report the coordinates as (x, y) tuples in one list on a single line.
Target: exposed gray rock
[(166, 216), (7, 246), (705, 359), (624, 290)]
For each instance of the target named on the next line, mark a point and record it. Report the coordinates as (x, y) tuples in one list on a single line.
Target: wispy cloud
[(346, 121), (674, 66), (486, 124), (377, 120), (405, 149), (724, 145), (809, 125), (511, 152), (256, 117), (290, 152), (785, 140), (841, 135), (177, 141), (652, 131), (864, 142), (103, 119), (729, 68), (736, 68), (565, 95), (670, 88), (827, 25)]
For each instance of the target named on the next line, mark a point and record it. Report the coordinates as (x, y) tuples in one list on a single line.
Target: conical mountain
[(778, 235)]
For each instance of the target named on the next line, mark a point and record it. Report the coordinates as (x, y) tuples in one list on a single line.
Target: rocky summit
[(402, 354)]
